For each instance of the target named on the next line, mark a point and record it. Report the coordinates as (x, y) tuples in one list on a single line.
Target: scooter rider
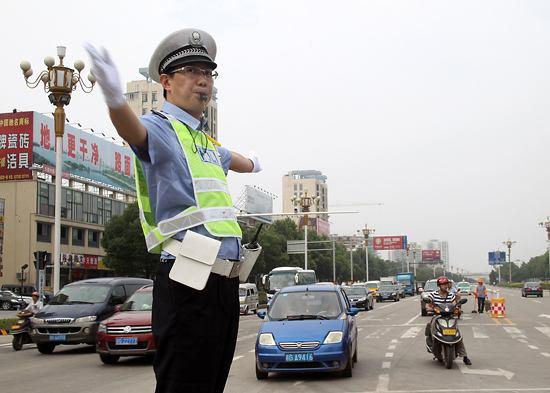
[(33, 307), (442, 295)]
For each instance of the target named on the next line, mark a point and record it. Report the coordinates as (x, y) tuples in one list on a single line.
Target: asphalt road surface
[(509, 354)]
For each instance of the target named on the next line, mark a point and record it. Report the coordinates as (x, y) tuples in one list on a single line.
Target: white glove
[(106, 75), (255, 161)]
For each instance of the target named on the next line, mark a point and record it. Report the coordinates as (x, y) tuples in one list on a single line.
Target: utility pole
[(366, 232), (351, 259), (305, 204), (546, 224), (509, 243)]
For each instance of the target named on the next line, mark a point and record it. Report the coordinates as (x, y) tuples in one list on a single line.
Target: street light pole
[(509, 243), (546, 224), (366, 232), (408, 250), (305, 203), (59, 81)]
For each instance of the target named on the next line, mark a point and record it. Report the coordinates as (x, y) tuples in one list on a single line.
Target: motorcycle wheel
[(449, 355), (17, 342)]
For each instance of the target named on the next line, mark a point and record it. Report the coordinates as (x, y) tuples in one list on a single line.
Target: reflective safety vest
[(213, 205)]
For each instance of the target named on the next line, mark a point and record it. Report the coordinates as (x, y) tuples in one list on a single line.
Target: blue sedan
[(307, 328)]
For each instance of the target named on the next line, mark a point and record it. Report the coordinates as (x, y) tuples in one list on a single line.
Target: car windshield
[(431, 286), (371, 284), (388, 287), (139, 301), (355, 291), (242, 291), (463, 285), (532, 284), (305, 305), (81, 294)]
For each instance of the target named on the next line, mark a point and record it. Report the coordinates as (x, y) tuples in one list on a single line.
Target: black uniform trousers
[(195, 333)]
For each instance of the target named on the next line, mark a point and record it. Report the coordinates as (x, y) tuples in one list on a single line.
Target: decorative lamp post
[(366, 232), (546, 224), (305, 204), (59, 81), (509, 243), (408, 249)]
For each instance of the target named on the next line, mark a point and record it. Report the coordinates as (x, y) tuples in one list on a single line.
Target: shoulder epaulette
[(159, 114)]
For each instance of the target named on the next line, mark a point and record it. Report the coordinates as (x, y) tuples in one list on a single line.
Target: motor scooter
[(444, 334), (20, 330)]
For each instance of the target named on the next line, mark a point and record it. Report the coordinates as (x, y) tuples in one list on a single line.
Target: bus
[(281, 277)]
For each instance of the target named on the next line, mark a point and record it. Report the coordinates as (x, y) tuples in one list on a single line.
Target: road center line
[(533, 347), (391, 347), (386, 364), (545, 354), (412, 319), (389, 354), (383, 383)]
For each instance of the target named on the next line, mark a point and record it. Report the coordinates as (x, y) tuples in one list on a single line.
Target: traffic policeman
[(186, 212)]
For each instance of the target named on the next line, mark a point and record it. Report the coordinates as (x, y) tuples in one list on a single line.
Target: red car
[(128, 332)]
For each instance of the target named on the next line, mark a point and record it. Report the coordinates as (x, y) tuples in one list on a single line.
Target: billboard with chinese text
[(84, 154), (16, 130), (431, 255), (389, 243)]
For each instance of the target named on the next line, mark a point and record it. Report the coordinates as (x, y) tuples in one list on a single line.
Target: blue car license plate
[(299, 357), (126, 341), (58, 337)]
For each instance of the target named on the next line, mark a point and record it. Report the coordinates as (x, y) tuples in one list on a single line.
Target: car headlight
[(89, 318), (37, 320), (102, 328), (267, 339), (333, 338)]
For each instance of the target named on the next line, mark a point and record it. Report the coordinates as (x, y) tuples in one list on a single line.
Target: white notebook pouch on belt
[(194, 260), (250, 255)]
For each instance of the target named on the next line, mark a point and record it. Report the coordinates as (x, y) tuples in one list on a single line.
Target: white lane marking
[(533, 347), (378, 333), (237, 357), (498, 372), (389, 354), (545, 354), (247, 337), (386, 306), (383, 383), (391, 347), (386, 364), (412, 332), (252, 351), (372, 319), (544, 316), (478, 332), (412, 319), (522, 340), (544, 330), (297, 383), (360, 329), (536, 301), (514, 332), (394, 341)]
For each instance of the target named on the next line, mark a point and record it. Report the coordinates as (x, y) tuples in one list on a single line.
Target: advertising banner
[(389, 243), (16, 138), (258, 201), (431, 255), (79, 261), (85, 154), (322, 226), (497, 257)]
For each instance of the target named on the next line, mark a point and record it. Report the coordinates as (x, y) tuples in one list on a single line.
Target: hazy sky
[(438, 109)]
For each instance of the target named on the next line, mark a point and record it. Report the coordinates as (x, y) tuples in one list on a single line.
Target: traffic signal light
[(41, 259)]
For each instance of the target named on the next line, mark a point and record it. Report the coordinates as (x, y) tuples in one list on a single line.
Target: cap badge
[(195, 39)]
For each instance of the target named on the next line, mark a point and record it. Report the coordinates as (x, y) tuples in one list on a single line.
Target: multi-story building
[(442, 246), (145, 95), (97, 184)]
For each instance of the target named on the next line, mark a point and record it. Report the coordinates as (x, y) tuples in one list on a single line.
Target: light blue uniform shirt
[(168, 177)]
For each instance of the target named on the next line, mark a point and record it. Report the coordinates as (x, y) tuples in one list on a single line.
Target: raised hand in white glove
[(255, 161), (106, 74)]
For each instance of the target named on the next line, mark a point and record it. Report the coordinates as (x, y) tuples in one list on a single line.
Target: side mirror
[(296, 279), (462, 301), (352, 311), (261, 314), (263, 279)]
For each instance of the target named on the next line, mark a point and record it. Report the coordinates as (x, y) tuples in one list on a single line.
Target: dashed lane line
[(478, 332), (412, 319), (386, 365), (533, 347), (412, 332), (391, 347), (545, 354), (383, 383), (544, 330), (514, 332), (389, 355)]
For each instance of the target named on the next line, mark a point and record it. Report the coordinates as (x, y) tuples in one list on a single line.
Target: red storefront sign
[(431, 255), (79, 261), (16, 131), (389, 242)]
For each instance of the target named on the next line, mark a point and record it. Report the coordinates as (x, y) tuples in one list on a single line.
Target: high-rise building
[(299, 183), (442, 246), (145, 95)]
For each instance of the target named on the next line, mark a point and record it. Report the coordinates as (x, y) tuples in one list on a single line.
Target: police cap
[(182, 47)]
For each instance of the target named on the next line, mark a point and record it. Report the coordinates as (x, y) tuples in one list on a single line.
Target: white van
[(248, 297)]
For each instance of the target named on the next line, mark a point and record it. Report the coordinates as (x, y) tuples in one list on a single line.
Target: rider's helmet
[(35, 294), (442, 281)]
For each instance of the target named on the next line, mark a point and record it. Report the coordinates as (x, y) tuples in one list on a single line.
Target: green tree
[(124, 243)]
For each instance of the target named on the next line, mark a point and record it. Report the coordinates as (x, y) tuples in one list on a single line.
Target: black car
[(359, 297), (74, 313), (10, 301), (388, 292), (531, 288)]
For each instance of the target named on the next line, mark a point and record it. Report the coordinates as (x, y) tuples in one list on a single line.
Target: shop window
[(93, 238)]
